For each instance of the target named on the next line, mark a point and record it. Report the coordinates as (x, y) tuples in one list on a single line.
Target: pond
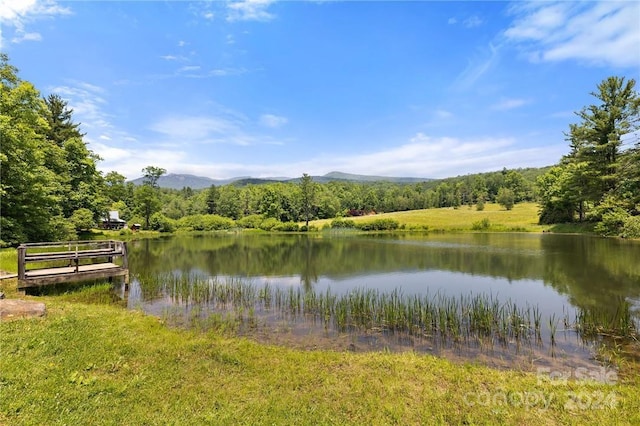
[(499, 298)]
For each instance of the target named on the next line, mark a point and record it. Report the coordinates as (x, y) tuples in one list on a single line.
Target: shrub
[(481, 225), (269, 223), (480, 205), (213, 222), (341, 223), (631, 228), (379, 225), (612, 222), (286, 226), (252, 221), (159, 222), (205, 222)]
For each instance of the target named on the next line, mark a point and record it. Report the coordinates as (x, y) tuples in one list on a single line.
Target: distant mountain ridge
[(179, 181)]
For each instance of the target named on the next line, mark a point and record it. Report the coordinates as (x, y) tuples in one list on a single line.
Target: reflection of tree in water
[(309, 274), (591, 271), (594, 272)]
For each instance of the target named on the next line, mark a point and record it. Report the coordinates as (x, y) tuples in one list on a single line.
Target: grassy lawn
[(89, 361), (523, 217)]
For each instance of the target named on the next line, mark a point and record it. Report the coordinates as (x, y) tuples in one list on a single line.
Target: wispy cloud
[(598, 33), (89, 103), (485, 60), (16, 15), (249, 10), (273, 121), (221, 127), (508, 104), (472, 21), (442, 114), (468, 22), (189, 68)]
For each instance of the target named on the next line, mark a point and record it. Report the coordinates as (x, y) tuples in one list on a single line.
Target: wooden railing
[(70, 261)]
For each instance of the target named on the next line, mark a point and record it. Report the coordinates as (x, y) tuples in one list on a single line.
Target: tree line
[(51, 188), (598, 182)]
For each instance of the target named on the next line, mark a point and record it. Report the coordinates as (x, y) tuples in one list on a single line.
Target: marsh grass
[(470, 320)]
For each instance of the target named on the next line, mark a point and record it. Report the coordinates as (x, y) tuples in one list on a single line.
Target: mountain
[(179, 181), (366, 178)]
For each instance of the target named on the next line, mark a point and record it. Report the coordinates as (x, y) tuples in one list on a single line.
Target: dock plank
[(101, 253)]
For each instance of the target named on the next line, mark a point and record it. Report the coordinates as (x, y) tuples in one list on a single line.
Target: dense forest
[(51, 187)]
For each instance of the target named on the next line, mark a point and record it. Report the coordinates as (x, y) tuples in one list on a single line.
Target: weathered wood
[(100, 253)]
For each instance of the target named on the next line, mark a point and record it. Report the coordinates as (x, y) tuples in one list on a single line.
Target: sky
[(268, 88)]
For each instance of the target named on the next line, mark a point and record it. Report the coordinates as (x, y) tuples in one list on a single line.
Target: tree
[(147, 202), (212, 199), (27, 186), (597, 139), (115, 187), (59, 117), (152, 174), (506, 198), (307, 187), (82, 219), (598, 178)]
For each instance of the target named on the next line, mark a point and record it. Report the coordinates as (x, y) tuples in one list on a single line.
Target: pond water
[(550, 280)]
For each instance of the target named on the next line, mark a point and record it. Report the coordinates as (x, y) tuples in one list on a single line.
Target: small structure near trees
[(113, 221)]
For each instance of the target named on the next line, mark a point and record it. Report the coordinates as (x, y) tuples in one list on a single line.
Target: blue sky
[(265, 88)]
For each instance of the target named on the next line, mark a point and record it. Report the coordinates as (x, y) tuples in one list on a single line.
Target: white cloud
[(117, 148), (273, 121), (16, 15), (598, 33), (508, 104), (26, 37), (194, 129), (422, 156), (473, 21), (425, 156), (452, 21), (223, 72), (189, 68), (249, 10), (169, 57), (443, 114)]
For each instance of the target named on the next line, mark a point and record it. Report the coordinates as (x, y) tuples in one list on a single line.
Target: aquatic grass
[(473, 319)]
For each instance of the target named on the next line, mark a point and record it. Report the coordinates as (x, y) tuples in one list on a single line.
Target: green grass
[(93, 363), (523, 217), (9, 260)]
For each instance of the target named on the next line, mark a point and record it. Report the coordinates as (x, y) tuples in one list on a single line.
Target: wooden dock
[(42, 264)]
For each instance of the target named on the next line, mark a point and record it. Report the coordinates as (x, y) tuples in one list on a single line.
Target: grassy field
[(523, 217), (89, 361)]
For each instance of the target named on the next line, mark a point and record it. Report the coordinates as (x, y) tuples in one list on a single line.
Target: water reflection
[(554, 272)]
